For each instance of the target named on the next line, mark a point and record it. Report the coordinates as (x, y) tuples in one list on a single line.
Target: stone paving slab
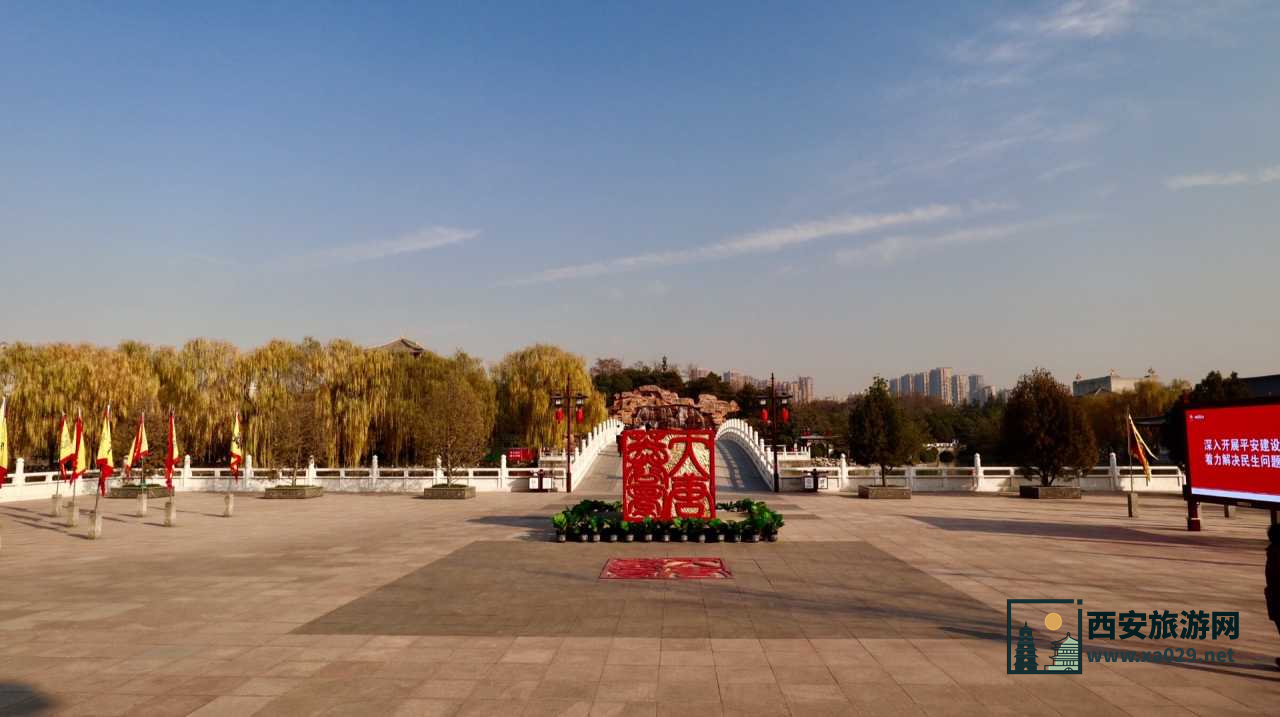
[(217, 616)]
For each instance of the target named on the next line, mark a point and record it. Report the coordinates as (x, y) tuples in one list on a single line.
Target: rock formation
[(658, 406)]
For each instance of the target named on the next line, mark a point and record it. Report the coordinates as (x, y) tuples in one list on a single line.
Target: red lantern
[(786, 415), (764, 415), (559, 415), (579, 418)]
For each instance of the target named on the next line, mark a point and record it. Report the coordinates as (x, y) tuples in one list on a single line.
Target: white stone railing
[(741, 432), (585, 452), (980, 479), (373, 478)]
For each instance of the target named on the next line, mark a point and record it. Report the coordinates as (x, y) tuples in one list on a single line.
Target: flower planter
[(1049, 492), (666, 538), (648, 537), (583, 538), (684, 538), (773, 538), (132, 491), (293, 492), (702, 538), (733, 538), (595, 537), (628, 538), (884, 492), (753, 538), (449, 492), (613, 537)]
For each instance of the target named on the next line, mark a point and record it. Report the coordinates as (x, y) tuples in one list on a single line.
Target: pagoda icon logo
[(1025, 658)]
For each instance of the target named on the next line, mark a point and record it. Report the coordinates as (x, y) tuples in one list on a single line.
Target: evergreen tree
[(1025, 659)]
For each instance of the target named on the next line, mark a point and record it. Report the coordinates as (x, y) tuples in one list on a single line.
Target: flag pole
[(1130, 499)]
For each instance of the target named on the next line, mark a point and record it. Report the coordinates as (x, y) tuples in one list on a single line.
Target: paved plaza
[(392, 605)]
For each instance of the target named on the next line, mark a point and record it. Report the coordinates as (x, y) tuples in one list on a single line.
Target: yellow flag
[(139, 447), (237, 451), (4, 440), (1140, 448), (105, 458), (66, 443), (82, 449)]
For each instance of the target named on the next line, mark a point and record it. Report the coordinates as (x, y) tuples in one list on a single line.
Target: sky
[(831, 189)]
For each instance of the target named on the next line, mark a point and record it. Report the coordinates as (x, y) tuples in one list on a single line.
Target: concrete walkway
[(392, 605)]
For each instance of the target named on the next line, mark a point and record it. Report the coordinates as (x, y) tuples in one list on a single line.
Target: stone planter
[(648, 537), (293, 492), (560, 537), (885, 492), (628, 538), (613, 537), (666, 538), (753, 538), (595, 537), (1049, 492), (133, 491), (449, 492), (773, 538)]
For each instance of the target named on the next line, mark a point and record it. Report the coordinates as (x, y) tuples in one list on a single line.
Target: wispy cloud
[(1062, 169), (1089, 18), (1266, 175), (421, 240), (761, 242), (882, 252)]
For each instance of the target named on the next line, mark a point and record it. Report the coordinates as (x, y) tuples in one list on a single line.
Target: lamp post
[(560, 401), (769, 413)]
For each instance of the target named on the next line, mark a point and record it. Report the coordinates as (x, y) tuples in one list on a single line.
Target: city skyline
[(833, 191)]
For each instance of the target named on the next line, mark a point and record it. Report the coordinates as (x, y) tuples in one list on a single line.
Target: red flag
[(139, 450), (105, 457), (80, 464), (171, 454)]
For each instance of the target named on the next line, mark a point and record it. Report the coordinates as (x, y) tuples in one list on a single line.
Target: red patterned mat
[(665, 569)]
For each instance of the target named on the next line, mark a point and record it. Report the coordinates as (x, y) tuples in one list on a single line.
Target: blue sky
[(832, 189)]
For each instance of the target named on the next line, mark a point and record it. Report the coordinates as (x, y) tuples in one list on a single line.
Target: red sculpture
[(668, 473)]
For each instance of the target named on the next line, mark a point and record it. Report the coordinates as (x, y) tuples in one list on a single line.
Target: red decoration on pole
[(764, 415), (786, 415), (559, 415), (580, 417)]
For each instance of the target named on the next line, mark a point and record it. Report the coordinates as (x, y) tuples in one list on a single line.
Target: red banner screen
[(1234, 452), (668, 474)]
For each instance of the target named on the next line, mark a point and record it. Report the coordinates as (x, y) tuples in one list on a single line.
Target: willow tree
[(203, 384), (353, 392), (280, 371), (527, 379), (455, 413)]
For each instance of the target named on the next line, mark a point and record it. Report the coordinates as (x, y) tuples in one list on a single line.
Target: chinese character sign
[(668, 474), (1234, 451)]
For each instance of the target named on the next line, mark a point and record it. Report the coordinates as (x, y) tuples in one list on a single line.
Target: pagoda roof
[(402, 345), (1068, 640)]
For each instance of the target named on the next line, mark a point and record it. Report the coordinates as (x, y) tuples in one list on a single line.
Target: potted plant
[(624, 529), (646, 528), (715, 529), (678, 529), (594, 524), (750, 533), (775, 524), (733, 529), (560, 521)]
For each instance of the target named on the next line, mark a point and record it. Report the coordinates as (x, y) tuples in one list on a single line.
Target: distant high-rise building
[(940, 384), (976, 384), (904, 385), (894, 391), (960, 389), (919, 384), (804, 389), (735, 379)]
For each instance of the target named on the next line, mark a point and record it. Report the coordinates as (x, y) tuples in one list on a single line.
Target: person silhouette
[(1272, 572)]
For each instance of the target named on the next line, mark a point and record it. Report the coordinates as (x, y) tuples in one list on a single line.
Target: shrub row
[(595, 520)]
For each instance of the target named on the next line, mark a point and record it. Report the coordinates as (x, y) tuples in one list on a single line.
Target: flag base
[(229, 505), (73, 513), (170, 513), (95, 525), (142, 505), (55, 508), (1132, 499)]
